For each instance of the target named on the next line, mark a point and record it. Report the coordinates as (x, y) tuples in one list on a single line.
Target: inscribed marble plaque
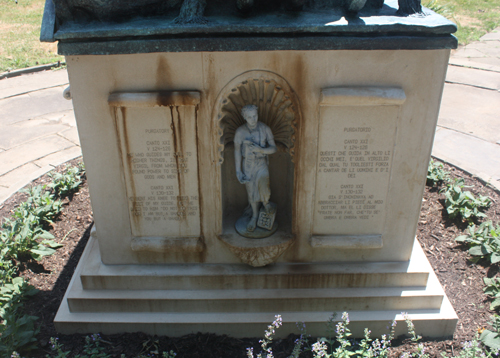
[(354, 159), (159, 153)]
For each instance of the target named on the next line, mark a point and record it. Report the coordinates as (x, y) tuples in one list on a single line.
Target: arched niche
[(278, 108)]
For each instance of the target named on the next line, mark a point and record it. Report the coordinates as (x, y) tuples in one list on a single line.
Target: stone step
[(95, 275), (269, 300), (432, 323), (246, 312)]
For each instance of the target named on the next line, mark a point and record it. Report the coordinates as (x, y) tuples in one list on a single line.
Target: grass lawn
[(20, 28), (20, 46), (474, 18)]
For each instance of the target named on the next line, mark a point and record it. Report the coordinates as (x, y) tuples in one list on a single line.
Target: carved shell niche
[(278, 108)]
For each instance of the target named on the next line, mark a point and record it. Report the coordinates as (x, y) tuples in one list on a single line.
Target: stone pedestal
[(241, 301), (353, 107)]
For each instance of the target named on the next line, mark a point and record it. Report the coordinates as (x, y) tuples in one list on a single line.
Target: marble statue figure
[(253, 142)]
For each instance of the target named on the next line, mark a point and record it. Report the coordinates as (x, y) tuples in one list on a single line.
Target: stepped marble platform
[(241, 301)]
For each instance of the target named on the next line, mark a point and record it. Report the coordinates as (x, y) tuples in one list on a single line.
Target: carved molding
[(258, 252), (354, 242), (362, 96), (277, 102), (167, 244)]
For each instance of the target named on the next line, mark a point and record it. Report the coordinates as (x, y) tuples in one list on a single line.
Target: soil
[(461, 279)]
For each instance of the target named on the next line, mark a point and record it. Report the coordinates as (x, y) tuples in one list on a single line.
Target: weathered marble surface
[(321, 87), (253, 142)]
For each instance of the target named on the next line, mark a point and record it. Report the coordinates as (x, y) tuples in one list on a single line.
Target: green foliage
[(491, 338), (151, 348), (464, 204), (493, 289), (484, 241), (67, 182), (57, 348), (420, 352), (17, 330), (23, 235), (40, 207), (268, 339), (299, 342), (474, 18), (19, 240), (441, 9), (12, 294), (342, 346), (20, 44), (94, 349), (436, 173), (473, 349)]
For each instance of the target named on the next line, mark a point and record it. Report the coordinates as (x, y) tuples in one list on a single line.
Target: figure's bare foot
[(252, 224), (270, 208)]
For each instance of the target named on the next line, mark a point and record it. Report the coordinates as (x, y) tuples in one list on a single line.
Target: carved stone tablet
[(356, 143), (266, 220), (157, 134)]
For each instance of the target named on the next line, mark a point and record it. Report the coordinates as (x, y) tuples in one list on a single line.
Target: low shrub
[(436, 173), (463, 204), (483, 241)]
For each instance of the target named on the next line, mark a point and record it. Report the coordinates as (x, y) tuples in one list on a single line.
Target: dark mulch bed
[(461, 279)]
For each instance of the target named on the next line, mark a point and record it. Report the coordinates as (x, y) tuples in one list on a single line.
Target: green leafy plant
[(19, 240), (473, 349), (41, 204), (268, 339), (151, 348), (66, 182), (8, 269), (436, 173), (17, 330), (343, 350), (94, 349), (493, 289), (57, 348), (491, 338), (464, 204), (484, 241), (23, 235), (420, 352), (342, 346), (12, 294), (299, 342)]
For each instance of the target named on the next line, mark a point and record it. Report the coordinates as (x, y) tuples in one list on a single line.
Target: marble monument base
[(240, 301)]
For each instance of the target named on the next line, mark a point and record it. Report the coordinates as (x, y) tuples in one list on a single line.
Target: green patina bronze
[(126, 26)]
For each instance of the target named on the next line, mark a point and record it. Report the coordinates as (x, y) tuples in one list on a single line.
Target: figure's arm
[(271, 148), (237, 156)]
